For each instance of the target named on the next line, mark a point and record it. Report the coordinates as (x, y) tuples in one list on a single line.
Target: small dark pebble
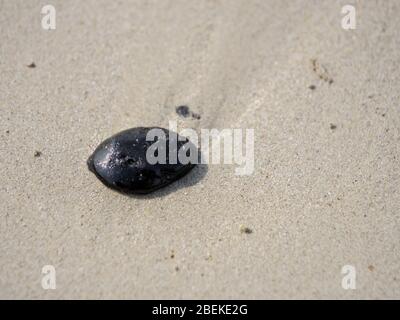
[(312, 87), (120, 162), (196, 116), (7, 131), (37, 154), (183, 111), (246, 230), (371, 268), (32, 65), (333, 126)]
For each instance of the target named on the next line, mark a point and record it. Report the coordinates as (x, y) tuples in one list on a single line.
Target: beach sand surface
[(325, 189)]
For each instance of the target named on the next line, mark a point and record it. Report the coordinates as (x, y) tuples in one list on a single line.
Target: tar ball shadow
[(190, 179)]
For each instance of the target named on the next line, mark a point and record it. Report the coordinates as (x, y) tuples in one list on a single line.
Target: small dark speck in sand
[(371, 268), (32, 65), (196, 116), (37, 154), (246, 230), (7, 131), (312, 87), (183, 111), (333, 126)]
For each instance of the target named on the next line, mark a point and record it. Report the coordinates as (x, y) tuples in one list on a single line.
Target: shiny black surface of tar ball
[(120, 162)]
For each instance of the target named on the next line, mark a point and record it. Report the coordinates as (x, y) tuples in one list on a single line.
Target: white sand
[(319, 198)]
